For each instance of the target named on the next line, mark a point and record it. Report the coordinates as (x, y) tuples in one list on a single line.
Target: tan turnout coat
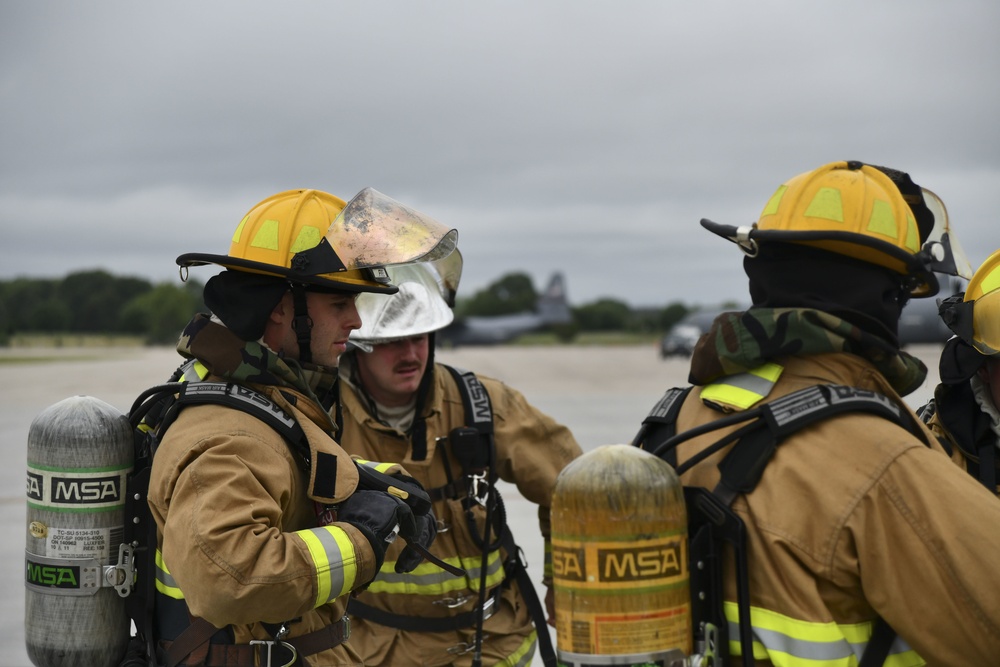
[(531, 450)]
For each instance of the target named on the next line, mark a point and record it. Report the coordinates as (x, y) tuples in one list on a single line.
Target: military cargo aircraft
[(551, 308)]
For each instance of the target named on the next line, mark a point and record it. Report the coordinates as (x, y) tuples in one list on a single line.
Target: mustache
[(404, 366)]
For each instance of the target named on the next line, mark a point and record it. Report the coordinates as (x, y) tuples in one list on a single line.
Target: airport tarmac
[(601, 393)]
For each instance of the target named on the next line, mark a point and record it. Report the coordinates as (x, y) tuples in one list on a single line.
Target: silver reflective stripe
[(389, 581), (803, 649), (748, 382), (334, 557), (799, 648)]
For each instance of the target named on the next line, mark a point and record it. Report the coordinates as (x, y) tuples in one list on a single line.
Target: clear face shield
[(941, 251)]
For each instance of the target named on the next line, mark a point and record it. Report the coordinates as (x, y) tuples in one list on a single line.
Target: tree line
[(97, 302)]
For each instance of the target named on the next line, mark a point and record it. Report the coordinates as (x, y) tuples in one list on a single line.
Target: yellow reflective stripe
[(826, 204), (522, 656), (883, 220), (376, 465), (200, 372), (429, 579), (266, 236), (333, 557), (790, 642), (774, 201), (164, 581), (239, 229), (744, 389), (308, 237)]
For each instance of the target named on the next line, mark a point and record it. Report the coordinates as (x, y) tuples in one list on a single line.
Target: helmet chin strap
[(302, 323)]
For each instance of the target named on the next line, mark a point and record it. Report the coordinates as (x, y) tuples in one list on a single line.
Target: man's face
[(334, 316), (391, 372)]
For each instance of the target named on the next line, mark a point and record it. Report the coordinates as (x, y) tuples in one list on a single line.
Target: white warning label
[(79, 543)]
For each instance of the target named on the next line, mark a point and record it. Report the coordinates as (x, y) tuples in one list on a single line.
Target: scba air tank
[(619, 561), (79, 454)]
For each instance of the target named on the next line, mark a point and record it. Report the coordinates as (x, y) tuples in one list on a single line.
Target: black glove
[(379, 516), (410, 558)]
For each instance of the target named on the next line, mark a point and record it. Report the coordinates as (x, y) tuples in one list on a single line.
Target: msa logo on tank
[(656, 561), (77, 490), (52, 575)]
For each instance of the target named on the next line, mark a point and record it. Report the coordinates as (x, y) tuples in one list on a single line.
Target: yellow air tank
[(619, 561)]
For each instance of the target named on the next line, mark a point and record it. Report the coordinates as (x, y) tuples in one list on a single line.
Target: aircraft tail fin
[(552, 305)]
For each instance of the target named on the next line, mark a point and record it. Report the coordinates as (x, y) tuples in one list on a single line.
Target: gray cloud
[(582, 136)]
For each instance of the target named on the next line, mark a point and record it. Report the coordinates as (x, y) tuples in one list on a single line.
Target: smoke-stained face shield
[(374, 231)]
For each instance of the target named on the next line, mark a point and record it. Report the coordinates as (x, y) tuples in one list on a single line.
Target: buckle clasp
[(270, 644)]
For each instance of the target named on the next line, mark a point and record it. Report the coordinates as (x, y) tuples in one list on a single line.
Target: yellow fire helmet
[(313, 237), (869, 213), (975, 315), (421, 306)]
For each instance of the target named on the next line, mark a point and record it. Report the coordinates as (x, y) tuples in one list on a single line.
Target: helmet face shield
[(941, 250), (374, 230)]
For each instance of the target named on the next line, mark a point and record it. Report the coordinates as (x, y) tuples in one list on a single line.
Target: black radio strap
[(479, 415)]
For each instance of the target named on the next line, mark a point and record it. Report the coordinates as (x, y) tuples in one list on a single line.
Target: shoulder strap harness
[(474, 447), (711, 521)]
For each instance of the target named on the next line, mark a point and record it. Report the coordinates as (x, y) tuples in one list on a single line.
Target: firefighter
[(398, 404), (965, 410), (854, 518), (259, 545)]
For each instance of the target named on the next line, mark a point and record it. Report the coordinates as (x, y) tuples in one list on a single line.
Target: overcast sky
[(577, 136)]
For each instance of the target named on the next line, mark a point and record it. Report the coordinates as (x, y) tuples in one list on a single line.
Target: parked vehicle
[(683, 336)]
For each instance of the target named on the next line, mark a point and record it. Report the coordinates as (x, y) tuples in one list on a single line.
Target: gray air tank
[(79, 454)]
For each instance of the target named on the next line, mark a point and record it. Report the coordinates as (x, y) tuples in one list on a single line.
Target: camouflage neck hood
[(228, 356), (738, 342)]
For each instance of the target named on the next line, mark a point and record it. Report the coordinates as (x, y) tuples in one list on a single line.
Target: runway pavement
[(601, 393)]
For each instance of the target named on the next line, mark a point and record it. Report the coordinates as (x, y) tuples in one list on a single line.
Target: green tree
[(21, 297), (49, 315), (161, 313), (603, 315), (512, 293), (95, 299)]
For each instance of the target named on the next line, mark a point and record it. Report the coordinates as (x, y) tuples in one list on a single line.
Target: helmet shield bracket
[(957, 314), (319, 259)]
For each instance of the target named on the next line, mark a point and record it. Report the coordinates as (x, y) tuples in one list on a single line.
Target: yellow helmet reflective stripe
[(333, 557)]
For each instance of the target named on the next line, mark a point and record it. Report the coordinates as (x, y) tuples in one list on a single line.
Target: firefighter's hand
[(550, 606), (379, 516), (426, 531)]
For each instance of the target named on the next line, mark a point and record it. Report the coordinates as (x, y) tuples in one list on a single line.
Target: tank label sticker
[(76, 490), (81, 543)]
